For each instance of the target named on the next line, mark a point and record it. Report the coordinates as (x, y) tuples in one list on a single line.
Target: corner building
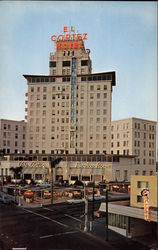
[(69, 110)]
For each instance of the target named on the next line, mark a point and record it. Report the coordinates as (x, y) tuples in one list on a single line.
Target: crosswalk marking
[(72, 217), (59, 234), (45, 217)]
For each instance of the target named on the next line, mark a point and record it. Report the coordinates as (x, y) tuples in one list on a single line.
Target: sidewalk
[(119, 242)]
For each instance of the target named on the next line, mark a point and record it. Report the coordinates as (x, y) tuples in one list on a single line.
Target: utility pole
[(92, 215), (53, 165), (107, 236), (86, 209)]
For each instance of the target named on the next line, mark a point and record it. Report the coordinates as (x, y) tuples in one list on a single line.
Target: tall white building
[(69, 110)]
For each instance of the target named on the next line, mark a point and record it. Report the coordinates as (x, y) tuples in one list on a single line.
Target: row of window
[(91, 78), (13, 127), (118, 144), (137, 161), (103, 77), (8, 134), (63, 88), (16, 151), (67, 63), (145, 126), (16, 144), (137, 126)]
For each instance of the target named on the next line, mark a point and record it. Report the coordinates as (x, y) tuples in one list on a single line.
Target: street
[(44, 228), (59, 226)]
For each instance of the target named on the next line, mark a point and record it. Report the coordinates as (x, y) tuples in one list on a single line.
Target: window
[(91, 104), (139, 198), (84, 62), (104, 128), (52, 64), (32, 89), (66, 63), (91, 87), (44, 89), (4, 126), (105, 87), (91, 96), (117, 173), (66, 79), (104, 112), (125, 175)]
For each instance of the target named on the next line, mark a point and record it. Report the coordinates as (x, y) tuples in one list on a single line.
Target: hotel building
[(69, 110), (136, 137), (12, 136)]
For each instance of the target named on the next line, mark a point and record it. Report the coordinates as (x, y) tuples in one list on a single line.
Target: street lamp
[(86, 209), (53, 165), (107, 236), (92, 215)]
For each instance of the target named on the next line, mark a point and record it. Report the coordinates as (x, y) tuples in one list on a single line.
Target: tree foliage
[(16, 171)]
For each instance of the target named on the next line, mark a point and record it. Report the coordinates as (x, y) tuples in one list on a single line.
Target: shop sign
[(32, 164), (145, 194), (90, 165), (69, 39)]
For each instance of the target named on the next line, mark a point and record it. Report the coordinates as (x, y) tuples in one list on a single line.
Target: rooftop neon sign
[(69, 39)]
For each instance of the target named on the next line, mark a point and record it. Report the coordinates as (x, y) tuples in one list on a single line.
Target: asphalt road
[(53, 227), (59, 226)]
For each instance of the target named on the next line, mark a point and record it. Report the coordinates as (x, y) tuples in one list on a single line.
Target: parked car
[(47, 194), (97, 197), (75, 201), (44, 185), (5, 199)]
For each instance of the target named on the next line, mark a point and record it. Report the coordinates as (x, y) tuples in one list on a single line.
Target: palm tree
[(16, 171), (54, 163)]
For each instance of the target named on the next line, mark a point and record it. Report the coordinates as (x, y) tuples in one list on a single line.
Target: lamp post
[(107, 236), (53, 165), (86, 209), (92, 215)]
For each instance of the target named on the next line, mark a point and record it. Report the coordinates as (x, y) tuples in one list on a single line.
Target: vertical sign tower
[(73, 106)]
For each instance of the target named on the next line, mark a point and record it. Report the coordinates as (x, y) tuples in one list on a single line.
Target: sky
[(122, 37)]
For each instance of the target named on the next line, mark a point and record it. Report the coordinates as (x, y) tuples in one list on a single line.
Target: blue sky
[(122, 36)]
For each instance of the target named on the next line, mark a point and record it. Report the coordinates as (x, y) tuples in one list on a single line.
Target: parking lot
[(35, 195)]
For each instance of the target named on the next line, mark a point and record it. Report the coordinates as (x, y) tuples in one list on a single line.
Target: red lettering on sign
[(53, 38), (72, 29), (84, 36), (80, 45), (65, 29), (60, 38), (64, 46), (67, 37), (79, 37), (57, 46)]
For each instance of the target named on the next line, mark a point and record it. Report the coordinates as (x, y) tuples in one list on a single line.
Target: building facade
[(86, 168), (138, 183), (12, 136), (136, 137), (69, 110)]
